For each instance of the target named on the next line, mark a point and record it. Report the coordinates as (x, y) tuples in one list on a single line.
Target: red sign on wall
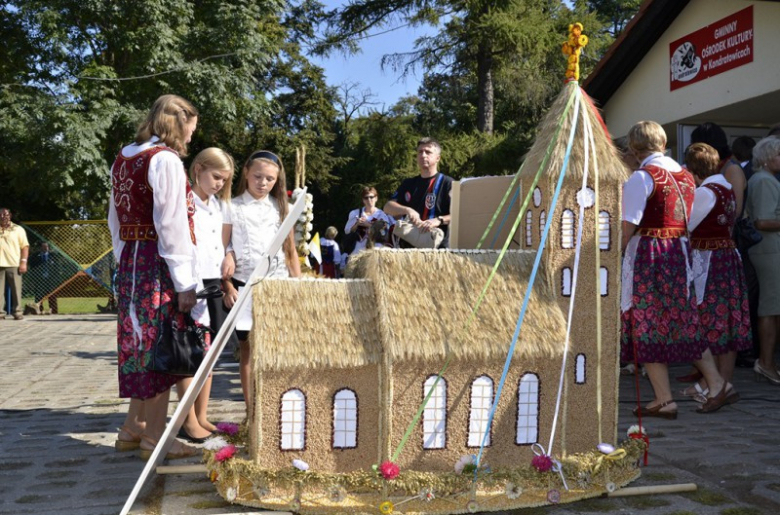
[(718, 47)]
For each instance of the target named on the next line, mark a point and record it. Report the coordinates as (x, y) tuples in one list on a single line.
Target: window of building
[(567, 229), (566, 281), (293, 420), (579, 369), (529, 224), (435, 414), (527, 410), (604, 281), (604, 236), (542, 221), (345, 419), (537, 197), (481, 401)]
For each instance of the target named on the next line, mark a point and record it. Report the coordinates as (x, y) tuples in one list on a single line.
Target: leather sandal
[(726, 396), (185, 452), (127, 445), (695, 391), (655, 411)]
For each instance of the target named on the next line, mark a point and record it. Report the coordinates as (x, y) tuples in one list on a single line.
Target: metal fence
[(70, 267)]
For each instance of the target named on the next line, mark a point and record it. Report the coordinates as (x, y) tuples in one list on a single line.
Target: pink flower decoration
[(225, 453), (389, 470), (542, 463), (227, 428)]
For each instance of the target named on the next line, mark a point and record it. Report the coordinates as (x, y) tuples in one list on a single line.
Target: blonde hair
[(646, 137), (167, 119), (279, 192), (331, 233), (214, 158), (702, 160), (764, 151)]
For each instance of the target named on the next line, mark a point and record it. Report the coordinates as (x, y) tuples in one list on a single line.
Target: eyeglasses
[(369, 197)]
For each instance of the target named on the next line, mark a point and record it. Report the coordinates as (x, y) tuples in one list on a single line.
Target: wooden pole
[(658, 489)]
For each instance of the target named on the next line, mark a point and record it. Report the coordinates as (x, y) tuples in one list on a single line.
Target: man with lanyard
[(424, 200)]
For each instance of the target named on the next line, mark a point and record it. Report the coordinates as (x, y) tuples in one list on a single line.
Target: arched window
[(604, 237), (435, 415), (537, 197), (579, 369), (542, 221), (529, 224), (604, 281), (527, 410), (566, 281), (567, 229), (481, 401), (345, 419), (293, 420)]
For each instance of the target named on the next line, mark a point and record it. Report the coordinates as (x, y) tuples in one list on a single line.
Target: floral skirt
[(662, 323), (145, 299), (724, 314)]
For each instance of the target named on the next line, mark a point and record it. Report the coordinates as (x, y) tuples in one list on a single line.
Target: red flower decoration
[(289, 193), (542, 463), (389, 470), (227, 428), (225, 453)]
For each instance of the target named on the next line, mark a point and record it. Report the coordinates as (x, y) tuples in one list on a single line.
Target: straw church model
[(341, 367)]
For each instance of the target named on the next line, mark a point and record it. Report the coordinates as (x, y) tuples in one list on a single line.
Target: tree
[(614, 13)]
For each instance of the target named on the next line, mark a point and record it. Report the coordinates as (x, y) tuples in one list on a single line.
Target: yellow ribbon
[(612, 456)]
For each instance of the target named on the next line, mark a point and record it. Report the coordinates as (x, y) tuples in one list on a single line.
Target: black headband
[(264, 154)]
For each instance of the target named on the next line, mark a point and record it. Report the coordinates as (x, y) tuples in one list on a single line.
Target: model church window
[(528, 410), (566, 281), (481, 400), (435, 414), (345, 419), (293, 418), (604, 241), (537, 197), (542, 221), (567, 229), (529, 223), (604, 281), (579, 369)]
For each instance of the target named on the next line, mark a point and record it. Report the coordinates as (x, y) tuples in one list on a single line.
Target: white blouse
[(208, 237), (704, 200), (639, 186), (168, 181), (254, 223), (354, 216)]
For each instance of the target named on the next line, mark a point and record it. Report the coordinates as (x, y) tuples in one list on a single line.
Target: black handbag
[(179, 350), (745, 234)]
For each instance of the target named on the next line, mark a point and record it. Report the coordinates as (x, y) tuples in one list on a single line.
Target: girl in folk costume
[(331, 254), (150, 218), (659, 315), (718, 279), (211, 173), (251, 221)]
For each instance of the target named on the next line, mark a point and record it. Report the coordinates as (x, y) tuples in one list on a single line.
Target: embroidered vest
[(664, 215), (714, 232), (134, 199)]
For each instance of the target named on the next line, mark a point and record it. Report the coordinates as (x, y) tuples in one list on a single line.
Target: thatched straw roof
[(611, 169), (425, 298), (315, 323)]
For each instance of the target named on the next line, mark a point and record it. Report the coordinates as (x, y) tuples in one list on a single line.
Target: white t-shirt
[(254, 224), (208, 237)]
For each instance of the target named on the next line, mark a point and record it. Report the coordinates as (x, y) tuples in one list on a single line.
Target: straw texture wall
[(427, 296)]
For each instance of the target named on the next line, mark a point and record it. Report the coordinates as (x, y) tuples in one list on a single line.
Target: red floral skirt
[(662, 325)]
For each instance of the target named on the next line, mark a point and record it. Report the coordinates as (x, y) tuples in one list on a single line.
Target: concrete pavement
[(59, 412)]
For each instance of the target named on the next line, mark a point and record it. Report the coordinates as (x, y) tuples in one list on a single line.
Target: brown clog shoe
[(656, 412)]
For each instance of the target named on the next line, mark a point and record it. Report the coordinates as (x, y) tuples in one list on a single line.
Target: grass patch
[(658, 476), (708, 498), (73, 305), (206, 505), (645, 502), (741, 511)]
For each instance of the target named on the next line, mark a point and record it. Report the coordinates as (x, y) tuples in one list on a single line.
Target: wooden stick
[(182, 469), (658, 489)]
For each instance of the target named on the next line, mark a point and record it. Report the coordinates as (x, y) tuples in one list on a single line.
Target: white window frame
[(345, 419), (579, 369), (566, 281), (542, 221), (604, 281), (434, 420), (567, 229), (529, 227), (605, 237), (527, 432), (293, 420), (481, 402)]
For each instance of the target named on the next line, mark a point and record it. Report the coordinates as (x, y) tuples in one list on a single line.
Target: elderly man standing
[(14, 248), (425, 200)]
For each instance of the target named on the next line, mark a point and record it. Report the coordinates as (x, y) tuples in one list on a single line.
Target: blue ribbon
[(532, 278)]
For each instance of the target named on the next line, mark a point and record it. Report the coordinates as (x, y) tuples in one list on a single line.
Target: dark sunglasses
[(264, 154), (369, 196)]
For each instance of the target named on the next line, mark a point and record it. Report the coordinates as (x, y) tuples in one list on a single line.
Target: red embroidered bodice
[(664, 209), (134, 199), (714, 232)]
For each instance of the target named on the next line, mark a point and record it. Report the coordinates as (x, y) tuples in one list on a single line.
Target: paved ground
[(59, 413)]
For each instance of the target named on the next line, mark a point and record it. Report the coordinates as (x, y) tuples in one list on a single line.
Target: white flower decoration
[(606, 448), (513, 491), (300, 465), (611, 487), (215, 443), (337, 494), (426, 494), (635, 429), (466, 459), (231, 494), (586, 197), (260, 490)]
